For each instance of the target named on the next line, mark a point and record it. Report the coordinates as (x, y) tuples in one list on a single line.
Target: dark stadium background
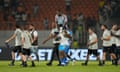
[(92, 11)]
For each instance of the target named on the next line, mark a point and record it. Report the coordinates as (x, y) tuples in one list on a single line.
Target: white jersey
[(71, 34), (118, 39), (106, 33), (64, 40), (35, 33), (61, 19), (18, 33), (92, 37), (113, 38), (27, 42), (55, 31)]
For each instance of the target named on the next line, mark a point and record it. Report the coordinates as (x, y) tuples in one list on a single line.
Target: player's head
[(103, 27), (20, 9), (114, 27), (59, 12), (17, 26), (90, 30), (31, 27), (26, 27)]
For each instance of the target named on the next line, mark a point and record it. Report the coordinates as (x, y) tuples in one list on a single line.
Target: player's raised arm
[(11, 38), (48, 38)]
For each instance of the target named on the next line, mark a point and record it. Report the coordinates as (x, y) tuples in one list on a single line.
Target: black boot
[(49, 64), (100, 63), (24, 64), (84, 64), (12, 63), (113, 62), (116, 62), (103, 62), (33, 64)]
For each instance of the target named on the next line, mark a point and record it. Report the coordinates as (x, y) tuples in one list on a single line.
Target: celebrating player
[(60, 19), (17, 48), (107, 45), (92, 46), (26, 45), (113, 40), (117, 39), (34, 44), (54, 35)]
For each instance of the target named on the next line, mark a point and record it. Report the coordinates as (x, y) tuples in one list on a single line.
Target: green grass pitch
[(41, 67)]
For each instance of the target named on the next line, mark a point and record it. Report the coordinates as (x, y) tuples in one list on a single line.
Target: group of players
[(27, 42), (110, 42), (26, 38)]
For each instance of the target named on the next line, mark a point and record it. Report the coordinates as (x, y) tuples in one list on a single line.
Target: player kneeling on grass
[(26, 44), (63, 45), (92, 46)]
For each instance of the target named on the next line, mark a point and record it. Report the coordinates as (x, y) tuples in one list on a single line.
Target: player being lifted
[(92, 47), (107, 44), (60, 19), (17, 48)]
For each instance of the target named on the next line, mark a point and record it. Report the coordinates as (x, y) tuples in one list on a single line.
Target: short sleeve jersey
[(18, 33), (92, 37), (27, 39), (107, 43), (118, 39)]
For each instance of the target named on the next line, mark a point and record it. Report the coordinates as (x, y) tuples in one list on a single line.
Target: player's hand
[(32, 41), (6, 41), (88, 44), (43, 42), (102, 38)]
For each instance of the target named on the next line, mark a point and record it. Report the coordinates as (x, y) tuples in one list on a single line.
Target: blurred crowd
[(107, 8), (15, 11)]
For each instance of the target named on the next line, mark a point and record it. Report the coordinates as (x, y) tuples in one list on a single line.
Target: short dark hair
[(104, 25), (59, 10), (31, 24), (17, 26), (114, 24), (91, 28)]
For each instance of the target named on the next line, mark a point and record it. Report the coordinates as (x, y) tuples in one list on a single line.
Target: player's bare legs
[(62, 57), (104, 57), (87, 58), (33, 64)]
